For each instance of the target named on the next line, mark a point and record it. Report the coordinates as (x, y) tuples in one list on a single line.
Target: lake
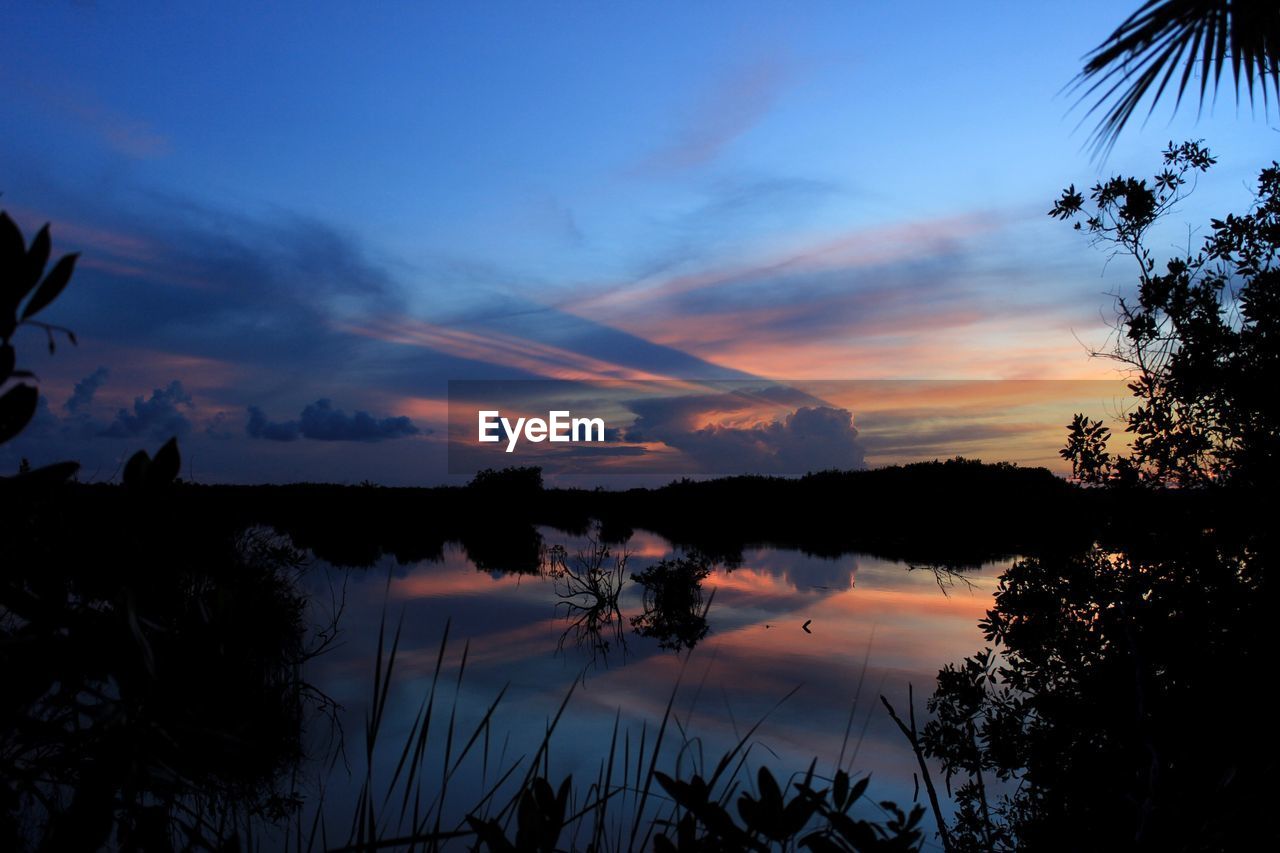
[(874, 626)]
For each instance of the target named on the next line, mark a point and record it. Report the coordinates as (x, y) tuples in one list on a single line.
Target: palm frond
[(1164, 37)]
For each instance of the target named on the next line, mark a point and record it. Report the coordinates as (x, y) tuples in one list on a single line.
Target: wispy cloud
[(128, 135), (730, 107), (523, 354), (908, 299)]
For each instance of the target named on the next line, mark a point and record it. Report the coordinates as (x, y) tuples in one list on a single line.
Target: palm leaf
[(1165, 37)]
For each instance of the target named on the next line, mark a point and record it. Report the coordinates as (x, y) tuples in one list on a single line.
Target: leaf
[(490, 834), (52, 285), (12, 245), (17, 408), (136, 468), (166, 466), (859, 788), (769, 791), (37, 257), (662, 844), (856, 832), (796, 814), (562, 798), (820, 844)]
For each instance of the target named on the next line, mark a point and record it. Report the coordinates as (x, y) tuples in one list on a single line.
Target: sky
[(298, 222)]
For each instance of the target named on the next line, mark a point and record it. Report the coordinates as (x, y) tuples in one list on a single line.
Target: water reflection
[(169, 694), (632, 623), (588, 587), (675, 610)]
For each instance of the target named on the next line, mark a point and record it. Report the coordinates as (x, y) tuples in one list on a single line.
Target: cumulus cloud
[(85, 430), (82, 397), (158, 417), (320, 421), (220, 426), (809, 438)]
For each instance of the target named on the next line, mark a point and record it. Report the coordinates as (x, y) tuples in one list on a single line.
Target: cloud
[(320, 421), (157, 417), (809, 438), (728, 109), (915, 298), (82, 398), (741, 402), (259, 291), (220, 426), (128, 135)]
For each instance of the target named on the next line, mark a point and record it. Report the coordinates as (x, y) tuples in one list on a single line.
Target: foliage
[(702, 823), (25, 291), (1200, 338), (152, 693), (674, 610), (1195, 37), (520, 479), (151, 662), (629, 805), (1103, 707)]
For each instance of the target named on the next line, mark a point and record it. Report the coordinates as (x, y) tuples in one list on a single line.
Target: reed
[(655, 791)]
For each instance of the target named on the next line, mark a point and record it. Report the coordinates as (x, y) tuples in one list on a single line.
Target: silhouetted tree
[(675, 613), (1107, 706), (526, 479), (1199, 336), (588, 587), (1102, 713)]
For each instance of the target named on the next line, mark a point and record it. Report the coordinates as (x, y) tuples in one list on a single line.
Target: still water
[(874, 626)]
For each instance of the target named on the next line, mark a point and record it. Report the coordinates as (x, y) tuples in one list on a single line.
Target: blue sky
[(357, 202)]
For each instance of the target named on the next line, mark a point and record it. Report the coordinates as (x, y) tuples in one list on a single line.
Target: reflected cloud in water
[(875, 626)]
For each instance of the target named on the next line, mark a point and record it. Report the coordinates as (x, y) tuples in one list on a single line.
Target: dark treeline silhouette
[(957, 512)]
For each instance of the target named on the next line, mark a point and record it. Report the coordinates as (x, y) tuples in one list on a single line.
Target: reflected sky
[(874, 627)]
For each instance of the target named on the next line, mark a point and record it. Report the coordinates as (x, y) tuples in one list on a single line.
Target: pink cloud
[(517, 353), (124, 134)]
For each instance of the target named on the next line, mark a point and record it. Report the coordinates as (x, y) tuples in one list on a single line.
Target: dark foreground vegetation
[(157, 700), (152, 638)]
